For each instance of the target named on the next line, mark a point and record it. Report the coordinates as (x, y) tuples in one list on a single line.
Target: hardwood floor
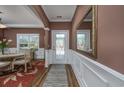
[(72, 81), (39, 82)]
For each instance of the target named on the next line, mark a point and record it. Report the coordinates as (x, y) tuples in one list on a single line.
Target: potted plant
[(4, 44)]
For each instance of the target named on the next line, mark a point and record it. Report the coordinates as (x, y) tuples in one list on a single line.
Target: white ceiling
[(66, 11), (19, 16)]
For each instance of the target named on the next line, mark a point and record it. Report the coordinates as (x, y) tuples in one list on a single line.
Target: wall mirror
[(86, 34)]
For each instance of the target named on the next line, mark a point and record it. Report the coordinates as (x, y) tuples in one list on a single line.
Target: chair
[(23, 60), (4, 65)]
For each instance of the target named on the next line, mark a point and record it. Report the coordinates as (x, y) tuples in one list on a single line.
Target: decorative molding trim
[(87, 71), (24, 26)]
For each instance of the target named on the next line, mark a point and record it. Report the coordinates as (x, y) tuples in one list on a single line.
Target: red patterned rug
[(22, 79)]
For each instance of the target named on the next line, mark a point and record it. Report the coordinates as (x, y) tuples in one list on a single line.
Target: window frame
[(29, 35)]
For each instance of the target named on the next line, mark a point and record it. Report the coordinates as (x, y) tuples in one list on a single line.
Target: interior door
[(60, 46)]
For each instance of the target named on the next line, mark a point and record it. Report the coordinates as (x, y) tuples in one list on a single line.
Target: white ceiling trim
[(24, 26), (65, 20), (65, 11)]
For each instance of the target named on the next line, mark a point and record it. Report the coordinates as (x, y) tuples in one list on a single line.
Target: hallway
[(59, 75)]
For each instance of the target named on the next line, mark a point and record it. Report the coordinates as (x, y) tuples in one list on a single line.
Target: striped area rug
[(57, 77)]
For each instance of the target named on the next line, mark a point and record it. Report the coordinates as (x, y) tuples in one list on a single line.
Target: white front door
[(60, 46)]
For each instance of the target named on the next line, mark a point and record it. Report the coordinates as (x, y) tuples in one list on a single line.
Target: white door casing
[(60, 46)]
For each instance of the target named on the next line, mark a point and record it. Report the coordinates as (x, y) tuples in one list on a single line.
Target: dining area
[(18, 68), (9, 61)]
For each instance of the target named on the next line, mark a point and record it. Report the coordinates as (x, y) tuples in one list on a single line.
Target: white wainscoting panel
[(48, 57), (40, 53), (10, 50), (93, 74)]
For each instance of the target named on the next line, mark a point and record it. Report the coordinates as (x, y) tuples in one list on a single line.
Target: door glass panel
[(60, 45)]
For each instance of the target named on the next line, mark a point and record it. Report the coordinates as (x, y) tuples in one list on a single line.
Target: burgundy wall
[(1, 34), (12, 32), (60, 25), (49, 40), (85, 25), (111, 36)]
